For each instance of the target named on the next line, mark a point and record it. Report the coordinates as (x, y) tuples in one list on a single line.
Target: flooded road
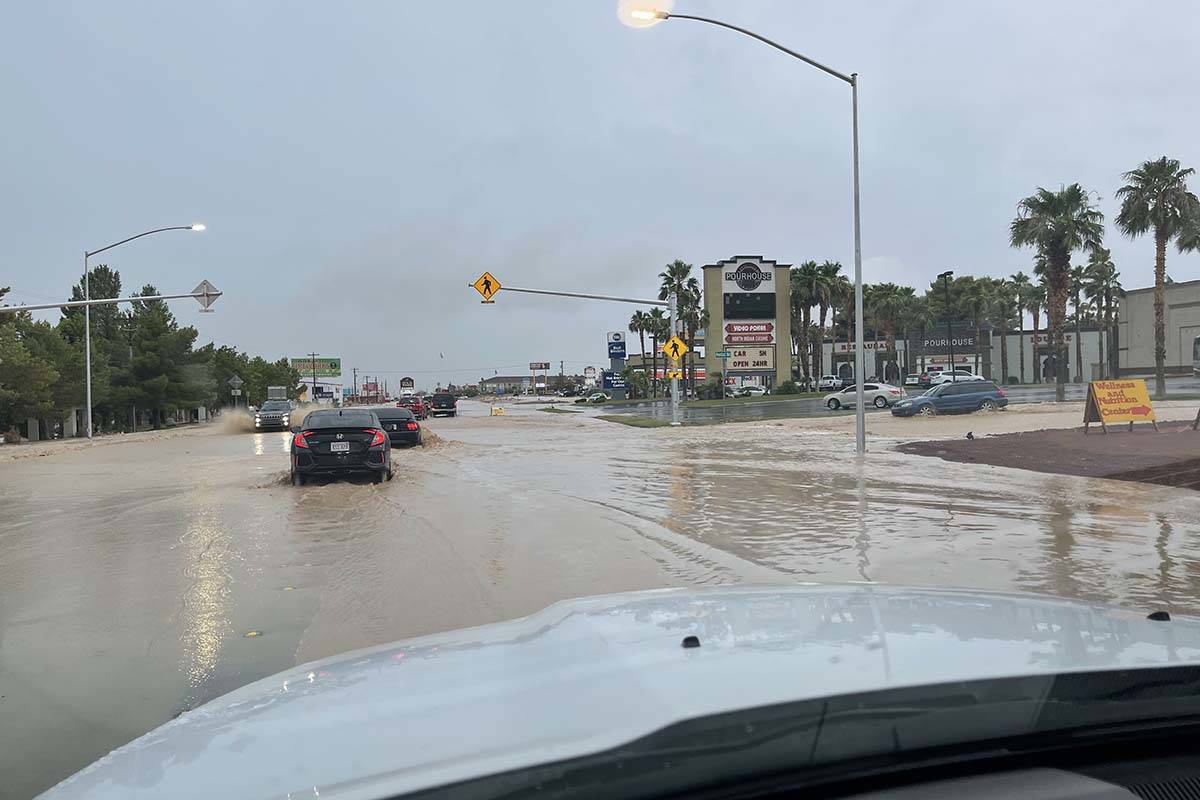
[(144, 578)]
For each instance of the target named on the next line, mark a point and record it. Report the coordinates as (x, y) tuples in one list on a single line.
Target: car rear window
[(394, 413), (340, 419), (443, 398)]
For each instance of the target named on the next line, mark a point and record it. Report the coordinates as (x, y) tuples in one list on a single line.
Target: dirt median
[(1168, 456)]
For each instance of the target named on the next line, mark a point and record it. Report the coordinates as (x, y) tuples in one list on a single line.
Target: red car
[(414, 404)]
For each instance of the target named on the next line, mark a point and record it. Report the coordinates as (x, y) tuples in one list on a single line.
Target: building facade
[(748, 300), (1135, 329)]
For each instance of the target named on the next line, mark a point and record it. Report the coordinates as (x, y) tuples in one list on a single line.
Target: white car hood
[(587, 675)]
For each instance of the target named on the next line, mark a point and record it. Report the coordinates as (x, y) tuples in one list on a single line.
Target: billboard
[(534, 366), (760, 331), (407, 383), (748, 278), (612, 380), (321, 366)]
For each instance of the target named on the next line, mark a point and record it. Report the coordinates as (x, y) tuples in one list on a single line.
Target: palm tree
[(1077, 302), (804, 295), (841, 295), (1101, 284), (1020, 284), (827, 275), (975, 299), (1156, 198), (1058, 223), (677, 279), (1035, 299), (1003, 312), (888, 305), (637, 324), (657, 326)]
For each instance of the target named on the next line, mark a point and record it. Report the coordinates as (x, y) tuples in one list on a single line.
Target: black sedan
[(343, 441), (400, 425)]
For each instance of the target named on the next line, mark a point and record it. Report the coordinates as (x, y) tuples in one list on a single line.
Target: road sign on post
[(675, 348), (487, 285), (206, 294), (236, 382), (721, 354)]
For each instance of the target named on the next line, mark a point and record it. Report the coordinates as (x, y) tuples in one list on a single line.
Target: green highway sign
[(722, 354), (321, 367)]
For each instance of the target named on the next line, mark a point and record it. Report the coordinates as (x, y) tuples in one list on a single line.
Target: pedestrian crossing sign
[(675, 373), (487, 285), (675, 348)]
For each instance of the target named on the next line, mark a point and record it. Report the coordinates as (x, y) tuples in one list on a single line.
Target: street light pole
[(648, 16), (87, 309), (945, 278)]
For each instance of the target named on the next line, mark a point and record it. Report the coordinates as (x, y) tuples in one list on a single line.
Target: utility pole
[(313, 356), (355, 370), (562, 379), (946, 276)]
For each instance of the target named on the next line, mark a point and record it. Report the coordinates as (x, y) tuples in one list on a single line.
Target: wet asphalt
[(144, 578)]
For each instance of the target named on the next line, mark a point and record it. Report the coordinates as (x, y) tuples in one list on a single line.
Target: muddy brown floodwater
[(143, 578)]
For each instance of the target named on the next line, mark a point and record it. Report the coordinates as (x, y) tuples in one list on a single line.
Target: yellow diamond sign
[(675, 348), (675, 373), (487, 285)]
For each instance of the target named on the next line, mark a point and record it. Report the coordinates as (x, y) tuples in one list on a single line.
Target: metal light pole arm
[(108, 300), (586, 296), (828, 70), (91, 253)]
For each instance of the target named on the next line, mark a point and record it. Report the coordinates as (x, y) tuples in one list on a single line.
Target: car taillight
[(298, 440), (1001, 392), (378, 437), (893, 391), (412, 426)]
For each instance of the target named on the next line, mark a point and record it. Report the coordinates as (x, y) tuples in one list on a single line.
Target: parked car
[(594, 397), (414, 404), (952, 397), (751, 391), (880, 395), (829, 383), (400, 425), (913, 379), (274, 415), (959, 374), (443, 403), (340, 442)]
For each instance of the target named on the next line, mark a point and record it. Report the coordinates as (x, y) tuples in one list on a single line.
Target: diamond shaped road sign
[(206, 294)]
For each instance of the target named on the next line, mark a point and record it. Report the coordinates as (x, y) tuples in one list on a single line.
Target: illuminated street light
[(641, 15)]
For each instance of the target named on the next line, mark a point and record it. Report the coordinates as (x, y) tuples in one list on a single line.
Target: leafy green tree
[(824, 288), (1058, 223), (26, 382), (1155, 198)]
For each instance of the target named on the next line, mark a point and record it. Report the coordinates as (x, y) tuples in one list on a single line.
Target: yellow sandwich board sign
[(1118, 401)]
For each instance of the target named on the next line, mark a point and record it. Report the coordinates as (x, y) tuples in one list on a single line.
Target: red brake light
[(298, 440), (377, 439), (412, 426)]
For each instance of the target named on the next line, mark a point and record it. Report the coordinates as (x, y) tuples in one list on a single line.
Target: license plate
[(339, 447)]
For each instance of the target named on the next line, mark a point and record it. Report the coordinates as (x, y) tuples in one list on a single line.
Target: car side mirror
[(295, 429)]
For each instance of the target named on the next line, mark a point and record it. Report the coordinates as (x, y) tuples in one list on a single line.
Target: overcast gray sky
[(358, 164)]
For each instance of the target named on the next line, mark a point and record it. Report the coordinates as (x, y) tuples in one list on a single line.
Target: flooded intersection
[(142, 579)]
